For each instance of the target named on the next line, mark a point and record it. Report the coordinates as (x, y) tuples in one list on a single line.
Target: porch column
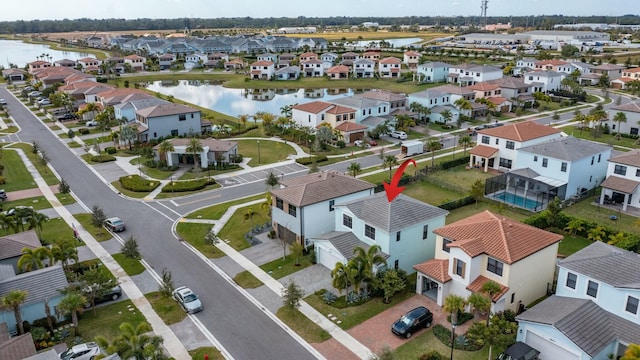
[(169, 156), (602, 196), (471, 157), (626, 200), (204, 160), (486, 164), (419, 284)]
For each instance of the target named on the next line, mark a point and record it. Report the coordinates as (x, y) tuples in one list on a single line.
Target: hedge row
[(310, 159), (138, 184), (190, 185), (102, 158)]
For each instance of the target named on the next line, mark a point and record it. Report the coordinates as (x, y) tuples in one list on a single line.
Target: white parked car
[(91, 123), (187, 299), (86, 351), (44, 102), (3, 102), (399, 135)]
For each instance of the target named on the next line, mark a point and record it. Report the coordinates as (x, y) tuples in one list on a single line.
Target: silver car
[(187, 299)]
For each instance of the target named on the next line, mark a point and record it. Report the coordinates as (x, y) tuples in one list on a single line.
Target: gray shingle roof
[(40, 284), (345, 242), (317, 187), (583, 322), (401, 213), (566, 148), (12, 245), (596, 261), (6, 272)]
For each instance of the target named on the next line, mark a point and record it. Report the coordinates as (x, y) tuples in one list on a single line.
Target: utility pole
[(483, 12)]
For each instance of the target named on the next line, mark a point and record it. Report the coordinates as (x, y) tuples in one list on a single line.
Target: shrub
[(138, 184), (458, 203), (43, 322), (236, 158), (84, 131), (341, 144), (110, 150), (2, 180), (462, 317), (130, 248), (310, 159), (71, 134), (329, 297), (64, 187), (433, 355), (102, 158), (190, 185)]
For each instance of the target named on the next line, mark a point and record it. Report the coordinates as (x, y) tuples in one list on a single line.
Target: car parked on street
[(115, 224), (3, 102), (412, 321), (43, 102), (67, 117), (86, 351), (187, 299), (34, 94)]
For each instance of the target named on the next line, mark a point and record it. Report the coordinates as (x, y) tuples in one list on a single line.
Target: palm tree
[(466, 142), (479, 302), (249, 216), (463, 105), (8, 222), (266, 205), (164, 148), (433, 145), (454, 304), (389, 162), (243, 119), (13, 300), (490, 288), (195, 148), (596, 234), (128, 135), (36, 221), (354, 169), (446, 116), (369, 258), (64, 251), (73, 304), (620, 117), (339, 277), (134, 343), (579, 118), (267, 119), (575, 226), (32, 259)]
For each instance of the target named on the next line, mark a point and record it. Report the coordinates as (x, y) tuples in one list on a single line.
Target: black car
[(67, 117), (519, 351), (113, 294), (410, 322)]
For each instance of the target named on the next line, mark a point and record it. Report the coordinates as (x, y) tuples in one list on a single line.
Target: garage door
[(326, 258), (548, 350)]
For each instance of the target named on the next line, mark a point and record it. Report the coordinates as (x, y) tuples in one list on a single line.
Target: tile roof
[(12, 245), (18, 347), (631, 158), (412, 53), (477, 284), (567, 148), (337, 109), (401, 213), (498, 100), (436, 64), (390, 60), (502, 238), (346, 243), (583, 322), (383, 95), (484, 151), (631, 106), (314, 188), (262, 63), (522, 131), (166, 110), (551, 62), (483, 86), (313, 107), (32, 282), (436, 269), (348, 126), (338, 69), (609, 67), (607, 263), (620, 184)]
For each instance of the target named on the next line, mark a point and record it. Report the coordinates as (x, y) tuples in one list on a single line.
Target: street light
[(258, 152), (453, 338)]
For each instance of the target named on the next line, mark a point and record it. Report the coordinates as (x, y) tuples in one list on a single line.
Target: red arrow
[(392, 189)]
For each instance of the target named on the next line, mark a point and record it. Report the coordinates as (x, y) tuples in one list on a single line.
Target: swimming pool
[(519, 201)]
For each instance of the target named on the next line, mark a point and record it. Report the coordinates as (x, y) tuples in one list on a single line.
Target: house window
[(331, 204), (347, 221), (563, 167), (495, 266), (370, 232), (545, 162), (279, 204), (397, 236), (535, 158), (599, 157), (174, 132), (182, 117), (192, 116), (637, 172), (513, 297), (511, 145), (571, 280), (425, 232), (592, 158), (620, 170), (632, 305), (396, 264), (485, 139), (505, 163), (458, 267), (292, 210), (497, 141), (592, 289), (445, 245)]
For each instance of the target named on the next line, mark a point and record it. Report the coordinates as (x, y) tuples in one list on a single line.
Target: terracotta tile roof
[(620, 184), (134, 57), (497, 100), (412, 53), (633, 70), (522, 131), (631, 158), (483, 86), (383, 95), (39, 62), (337, 109), (313, 107), (311, 61), (551, 62), (501, 238), (436, 269), (623, 79), (390, 60), (263, 63), (314, 188), (338, 69), (309, 55), (484, 151), (348, 126), (12, 245), (631, 107), (476, 286)]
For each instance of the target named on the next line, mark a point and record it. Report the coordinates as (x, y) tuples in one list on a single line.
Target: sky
[(130, 9)]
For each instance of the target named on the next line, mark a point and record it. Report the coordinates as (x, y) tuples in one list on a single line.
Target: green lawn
[(37, 202), (48, 176), (210, 352), (166, 307), (194, 234), (571, 244), (246, 280), (586, 210), (280, 268), (65, 199), (494, 207), (603, 138), (56, 229), (108, 319), (426, 341), (460, 176), (237, 226), (215, 212), (269, 151), (99, 233), (301, 324), (16, 175), (430, 193), (131, 266)]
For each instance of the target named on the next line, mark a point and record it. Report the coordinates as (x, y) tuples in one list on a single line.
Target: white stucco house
[(167, 120), (262, 70), (631, 111), (363, 68), (312, 68), (489, 247), (543, 80), (469, 74), (389, 67), (401, 227), (213, 152), (594, 313), (622, 185), (433, 72)]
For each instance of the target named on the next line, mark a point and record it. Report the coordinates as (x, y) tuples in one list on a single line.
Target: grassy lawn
[(430, 193), (494, 207), (167, 308), (194, 234), (571, 244), (130, 266), (37, 202), (134, 194), (603, 138), (354, 315), (108, 319), (280, 268), (301, 324), (587, 211), (237, 226), (16, 175), (73, 144), (44, 171), (426, 341), (246, 280), (168, 195), (270, 151), (460, 177), (215, 212), (211, 353), (65, 199), (99, 234), (56, 229)]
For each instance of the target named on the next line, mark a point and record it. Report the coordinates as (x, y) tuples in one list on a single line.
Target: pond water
[(396, 43), (235, 102), (20, 53)]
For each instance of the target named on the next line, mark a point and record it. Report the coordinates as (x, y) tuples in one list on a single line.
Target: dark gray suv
[(412, 321)]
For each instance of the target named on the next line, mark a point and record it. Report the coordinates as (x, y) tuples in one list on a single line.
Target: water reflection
[(243, 101), (20, 54)]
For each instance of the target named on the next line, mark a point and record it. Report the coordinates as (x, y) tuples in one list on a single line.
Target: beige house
[(484, 247)]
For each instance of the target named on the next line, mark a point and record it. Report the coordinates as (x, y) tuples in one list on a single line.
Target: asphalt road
[(241, 327)]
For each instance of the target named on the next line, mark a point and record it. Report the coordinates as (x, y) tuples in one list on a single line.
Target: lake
[(396, 43), (235, 102), (20, 53)]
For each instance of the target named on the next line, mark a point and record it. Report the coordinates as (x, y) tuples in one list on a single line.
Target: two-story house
[(411, 59), (364, 68), (613, 71), (469, 74), (166, 120), (308, 56), (303, 207), (433, 72), (389, 67), (166, 61), (268, 57), (213, 152), (543, 80), (401, 227), (348, 58), (312, 68), (501, 143), (553, 65), (328, 59), (371, 55), (594, 313), (562, 167), (486, 90), (627, 76), (516, 90), (338, 72), (135, 61), (489, 247), (262, 70), (622, 185), (288, 73), (631, 112), (524, 65)]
